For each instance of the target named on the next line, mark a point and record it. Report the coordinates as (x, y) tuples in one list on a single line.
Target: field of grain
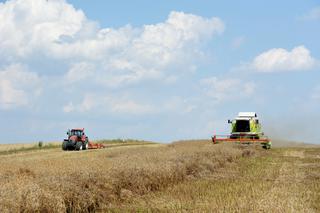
[(194, 176)]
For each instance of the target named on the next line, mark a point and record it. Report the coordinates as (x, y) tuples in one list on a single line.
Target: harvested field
[(183, 176)]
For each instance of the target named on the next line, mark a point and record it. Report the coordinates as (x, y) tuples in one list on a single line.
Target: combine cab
[(245, 129), (77, 140)]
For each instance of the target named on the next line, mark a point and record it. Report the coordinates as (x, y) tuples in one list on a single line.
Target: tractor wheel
[(64, 146), (85, 146), (79, 146)]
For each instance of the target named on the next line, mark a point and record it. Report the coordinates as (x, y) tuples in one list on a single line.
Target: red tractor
[(77, 140)]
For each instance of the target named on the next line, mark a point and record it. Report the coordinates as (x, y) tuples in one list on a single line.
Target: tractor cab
[(75, 132)]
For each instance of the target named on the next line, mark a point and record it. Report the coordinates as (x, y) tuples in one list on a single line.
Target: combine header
[(245, 129), (77, 140)]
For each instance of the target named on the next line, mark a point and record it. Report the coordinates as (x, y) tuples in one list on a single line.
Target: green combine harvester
[(245, 129)]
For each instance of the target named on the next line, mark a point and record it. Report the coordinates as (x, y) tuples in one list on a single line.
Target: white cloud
[(125, 104), (155, 51), (130, 107), (221, 90), (314, 14), (179, 30), (17, 86), (49, 30), (30, 26), (111, 104), (278, 59), (79, 72), (74, 54)]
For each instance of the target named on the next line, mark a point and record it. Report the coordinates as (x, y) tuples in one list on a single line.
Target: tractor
[(77, 140), (245, 129)]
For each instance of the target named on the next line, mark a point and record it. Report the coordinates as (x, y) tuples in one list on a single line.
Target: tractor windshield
[(76, 132), (242, 126)]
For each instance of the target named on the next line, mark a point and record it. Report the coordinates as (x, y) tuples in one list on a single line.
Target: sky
[(158, 70)]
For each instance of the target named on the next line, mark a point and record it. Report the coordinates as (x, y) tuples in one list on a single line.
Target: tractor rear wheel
[(64, 145), (79, 146)]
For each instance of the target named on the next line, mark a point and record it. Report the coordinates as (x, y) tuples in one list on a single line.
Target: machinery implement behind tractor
[(77, 140), (245, 129)]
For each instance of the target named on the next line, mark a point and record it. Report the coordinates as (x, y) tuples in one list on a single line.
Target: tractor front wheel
[(79, 146), (85, 146), (64, 146)]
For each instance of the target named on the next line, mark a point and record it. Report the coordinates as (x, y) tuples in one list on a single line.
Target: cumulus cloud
[(127, 104), (278, 59), (30, 26), (56, 30), (156, 51), (112, 104), (18, 86), (73, 54), (221, 90), (79, 72)]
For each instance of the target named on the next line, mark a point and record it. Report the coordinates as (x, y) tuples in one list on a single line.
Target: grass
[(184, 176), (123, 142), (6, 149), (16, 148)]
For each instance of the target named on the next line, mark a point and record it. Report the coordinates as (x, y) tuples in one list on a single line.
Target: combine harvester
[(245, 129), (78, 140)]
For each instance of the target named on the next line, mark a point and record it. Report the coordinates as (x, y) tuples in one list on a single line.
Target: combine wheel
[(64, 145), (266, 146), (79, 146)]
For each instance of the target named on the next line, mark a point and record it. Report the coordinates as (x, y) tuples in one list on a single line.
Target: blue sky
[(161, 70)]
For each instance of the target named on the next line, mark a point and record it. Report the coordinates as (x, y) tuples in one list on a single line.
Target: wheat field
[(188, 176)]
